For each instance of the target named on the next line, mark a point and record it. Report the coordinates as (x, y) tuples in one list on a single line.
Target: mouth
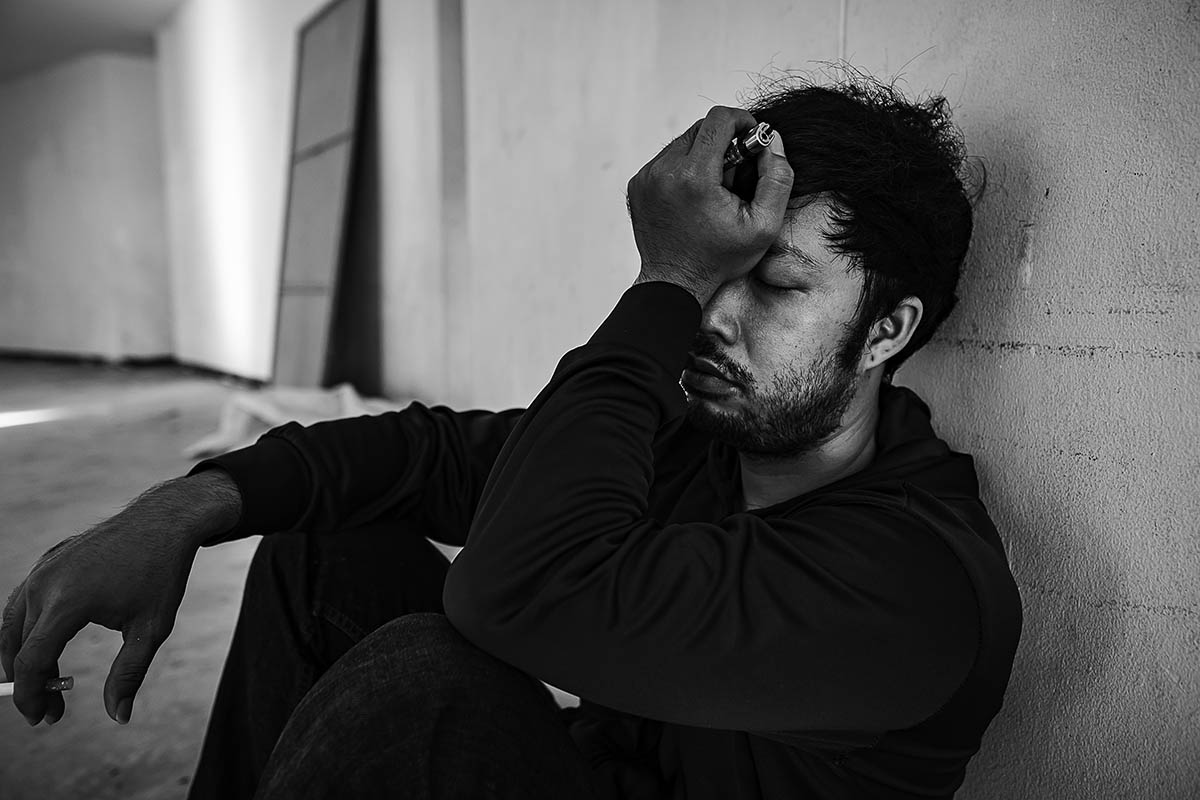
[(705, 377), (703, 366)]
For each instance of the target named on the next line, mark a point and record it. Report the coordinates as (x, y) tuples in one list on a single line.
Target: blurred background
[(147, 158)]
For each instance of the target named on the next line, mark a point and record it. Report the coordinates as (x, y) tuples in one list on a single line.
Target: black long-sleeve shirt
[(854, 641)]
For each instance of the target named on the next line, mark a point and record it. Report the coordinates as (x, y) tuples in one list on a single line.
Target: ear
[(890, 334)]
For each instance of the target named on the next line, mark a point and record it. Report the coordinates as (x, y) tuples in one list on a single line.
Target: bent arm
[(814, 621), (421, 462)]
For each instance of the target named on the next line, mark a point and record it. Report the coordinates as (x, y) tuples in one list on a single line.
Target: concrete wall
[(565, 102), (226, 86), (82, 246), (227, 82), (1070, 368)]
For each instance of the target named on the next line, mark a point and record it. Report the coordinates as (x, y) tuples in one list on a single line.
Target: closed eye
[(772, 288)]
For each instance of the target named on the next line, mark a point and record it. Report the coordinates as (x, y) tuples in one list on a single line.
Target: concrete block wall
[(1070, 368), (82, 242)]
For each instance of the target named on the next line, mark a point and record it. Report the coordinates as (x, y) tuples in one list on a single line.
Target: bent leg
[(416, 711), (308, 599)]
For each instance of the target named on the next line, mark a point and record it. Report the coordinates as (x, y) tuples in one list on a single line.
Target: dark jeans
[(344, 680)]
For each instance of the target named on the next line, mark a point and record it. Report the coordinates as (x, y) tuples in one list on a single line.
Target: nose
[(721, 316)]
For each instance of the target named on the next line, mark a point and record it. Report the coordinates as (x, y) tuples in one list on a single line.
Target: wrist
[(700, 288), (215, 503)]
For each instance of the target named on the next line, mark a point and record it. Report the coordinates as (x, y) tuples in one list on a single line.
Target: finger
[(675, 149), (774, 187), (718, 129), (11, 628), (128, 671), (56, 703), (37, 662)]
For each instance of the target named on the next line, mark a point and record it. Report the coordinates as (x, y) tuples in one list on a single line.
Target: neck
[(767, 480)]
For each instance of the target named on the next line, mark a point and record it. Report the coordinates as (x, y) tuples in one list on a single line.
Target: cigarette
[(753, 143), (52, 685)]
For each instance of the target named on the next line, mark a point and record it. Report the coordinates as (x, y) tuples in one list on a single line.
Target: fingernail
[(124, 709), (32, 721), (776, 143)]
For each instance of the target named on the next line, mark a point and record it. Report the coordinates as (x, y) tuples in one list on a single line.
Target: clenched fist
[(690, 229)]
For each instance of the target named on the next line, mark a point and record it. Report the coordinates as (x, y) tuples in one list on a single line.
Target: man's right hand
[(128, 573)]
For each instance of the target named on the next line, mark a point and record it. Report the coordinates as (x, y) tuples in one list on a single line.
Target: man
[(775, 583)]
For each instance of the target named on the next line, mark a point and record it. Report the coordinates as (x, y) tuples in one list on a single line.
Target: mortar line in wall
[(1067, 350), (1165, 609)]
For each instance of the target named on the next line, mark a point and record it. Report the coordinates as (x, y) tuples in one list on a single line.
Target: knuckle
[(687, 175), (24, 664), (783, 181), (763, 237), (130, 672), (40, 590), (34, 584), (711, 135)]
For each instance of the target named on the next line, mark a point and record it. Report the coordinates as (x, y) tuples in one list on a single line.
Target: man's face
[(779, 339)]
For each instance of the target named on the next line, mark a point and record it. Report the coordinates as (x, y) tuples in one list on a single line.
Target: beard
[(798, 410)]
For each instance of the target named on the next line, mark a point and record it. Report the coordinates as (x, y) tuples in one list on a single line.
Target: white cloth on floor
[(247, 415)]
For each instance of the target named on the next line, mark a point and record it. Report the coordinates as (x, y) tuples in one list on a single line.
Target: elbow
[(458, 602), (467, 608), (493, 615)]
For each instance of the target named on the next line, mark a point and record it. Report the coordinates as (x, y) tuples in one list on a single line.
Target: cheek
[(785, 347), (774, 352)]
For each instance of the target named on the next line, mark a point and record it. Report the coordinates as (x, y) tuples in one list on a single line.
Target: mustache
[(703, 347)]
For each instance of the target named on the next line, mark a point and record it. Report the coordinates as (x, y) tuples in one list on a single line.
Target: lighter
[(748, 146)]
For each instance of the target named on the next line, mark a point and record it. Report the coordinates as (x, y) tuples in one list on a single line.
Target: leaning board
[(324, 131)]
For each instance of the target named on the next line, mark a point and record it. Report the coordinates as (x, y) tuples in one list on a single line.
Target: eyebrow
[(806, 261)]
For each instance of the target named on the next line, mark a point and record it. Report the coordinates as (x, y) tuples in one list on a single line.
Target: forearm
[(720, 619), (430, 463), (194, 509), (567, 502)]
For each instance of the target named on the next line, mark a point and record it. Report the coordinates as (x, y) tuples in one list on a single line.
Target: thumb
[(125, 678), (774, 187)]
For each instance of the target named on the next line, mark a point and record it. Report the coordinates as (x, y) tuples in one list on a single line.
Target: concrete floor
[(126, 431)]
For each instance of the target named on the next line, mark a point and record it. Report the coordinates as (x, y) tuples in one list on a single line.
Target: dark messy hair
[(893, 170)]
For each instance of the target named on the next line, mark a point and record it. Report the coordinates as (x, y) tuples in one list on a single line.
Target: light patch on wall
[(225, 176), (1028, 228), (13, 419), (1025, 258)]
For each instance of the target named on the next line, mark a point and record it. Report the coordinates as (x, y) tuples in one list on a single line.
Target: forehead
[(805, 249)]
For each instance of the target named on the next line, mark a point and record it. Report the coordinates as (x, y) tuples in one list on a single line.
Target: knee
[(411, 708), (423, 663), (420, 669)]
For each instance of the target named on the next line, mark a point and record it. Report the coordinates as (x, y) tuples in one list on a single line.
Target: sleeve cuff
[(659, 319), (272, 480)]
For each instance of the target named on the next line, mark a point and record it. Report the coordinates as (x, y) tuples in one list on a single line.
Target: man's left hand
[(691, 230)]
